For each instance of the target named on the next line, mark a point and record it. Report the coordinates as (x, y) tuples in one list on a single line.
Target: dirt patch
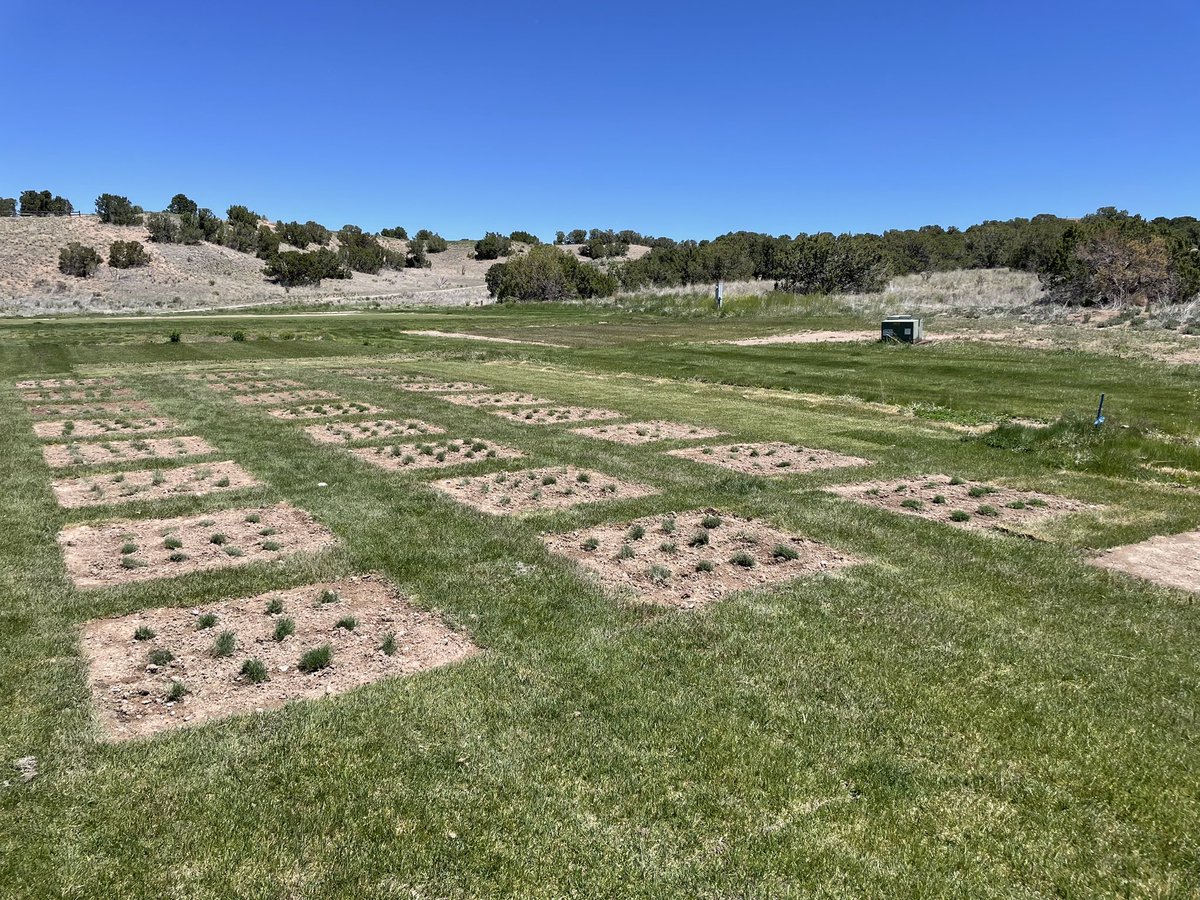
[(152, 484), (806, 337), (463, 336), (93, 410), (1172, 560), (283, 398), (94, 453), (89, 395), (648, 432), (955, 501), (131, 692), (52, 384), (440, 387), (254, 387), (85, 428), (555, 415), (770, 458), (124, 551), (217, 377), (326, 410), (693, 558), (353, 432), (435, 455), (553, 487), (505, 398)]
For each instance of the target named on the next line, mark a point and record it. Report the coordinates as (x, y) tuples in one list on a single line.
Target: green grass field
[(960, 714)]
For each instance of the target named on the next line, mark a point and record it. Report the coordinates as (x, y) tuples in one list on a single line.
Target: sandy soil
[(463, 336), (254, 387), (806, 337), (231, 375), (438, 454), (283, 398), (658, 561), (439, 387), (152, 484), (163, 548), (1171, 560), (50, 384), (93, 410), (352, 432), (504, 398), (770, 458), (326, 410), (78, 395), (129, 691), (96, 453), (635, 433), (1002, 508), (84, 428), (555, 415), (552, 487)]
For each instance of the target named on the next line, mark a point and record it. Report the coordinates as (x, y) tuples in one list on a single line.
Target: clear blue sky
[(683, 119)]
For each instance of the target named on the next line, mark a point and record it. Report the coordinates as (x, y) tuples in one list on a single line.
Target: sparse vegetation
[(224, 645), (284, 628), (78, 260), (316, 659), (254, 671), (206, 620)]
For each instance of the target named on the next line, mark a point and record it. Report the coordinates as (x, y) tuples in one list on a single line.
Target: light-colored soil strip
[(52, 384), (131, 693), (439, 454), (1171, 560), (464, 336), (326, 410), (531, 490), (97, 395), (376, 429), (505, 398), (555, 415), (94, 453), (693, 558), (440, 387), (648, 432), (770, 458), (87, 428), (152, 484), (283, 398), (955, 501), (229, 375), (254, 387), (92, 410), (142, 550), (806, 337)]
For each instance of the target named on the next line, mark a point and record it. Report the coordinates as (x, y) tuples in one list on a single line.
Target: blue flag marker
[(1100, 413)]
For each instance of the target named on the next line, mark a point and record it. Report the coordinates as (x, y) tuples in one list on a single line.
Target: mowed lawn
[(961, 713)]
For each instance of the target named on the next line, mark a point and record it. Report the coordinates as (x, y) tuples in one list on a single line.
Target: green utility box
[(904, 329)]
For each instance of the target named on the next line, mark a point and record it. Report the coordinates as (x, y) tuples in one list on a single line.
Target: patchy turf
[(770, 458), (376, 429), (95, 453), (435, 454), (637, 433), (532, 490), (89, 428), (152, 484), (326, 410), (555, 415)]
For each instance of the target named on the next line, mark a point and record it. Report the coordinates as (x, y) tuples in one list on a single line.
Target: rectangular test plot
[(95, 453), (434, 454), (533, 490), (152, 484)]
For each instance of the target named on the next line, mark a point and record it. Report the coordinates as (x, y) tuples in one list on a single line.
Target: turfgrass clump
[(206, 620), (785, 551), (176, 691), (160, 657), (699, 539), (254, 671), (274, 606), (591, 544), (347, 622), (659, 574), (316, 659), (959, 515), (388, 645), (635, 533), (626, 552), (284, 628), (912, 503), (224, 645), (705, 565), (328, 596), (988, 510), (172, 543), (743, 559)]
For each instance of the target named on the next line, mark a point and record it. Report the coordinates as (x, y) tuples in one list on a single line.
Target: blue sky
[(683, 119)]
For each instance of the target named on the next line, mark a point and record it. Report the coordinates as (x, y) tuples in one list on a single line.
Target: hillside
[(203, 276)]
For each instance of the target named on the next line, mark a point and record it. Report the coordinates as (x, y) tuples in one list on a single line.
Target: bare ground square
[(376, 429), (284, 398), (770, 458), (533, 490), (1171, 560), (92, 410), (503, 398), (635, 433), (435, 454), (555, 415), (89, 428), (326, 410), (152, 484), (95, 453)]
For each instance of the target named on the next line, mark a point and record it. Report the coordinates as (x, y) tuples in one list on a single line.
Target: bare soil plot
[(440, 387), (52, 384), (464, 336), (86, 428), (217, 377), (126, 409), (555, 415), (439, 454), (648, 432), (76, 395), (94, 453), (806, 337), (283, 398), (553, 487), (770, 458), (504, 398), (1172, 560), (152, 484), (123, 551), (325, 410), (693, 558), (955, 501), (376, 429), (254, 387), (132, 692)]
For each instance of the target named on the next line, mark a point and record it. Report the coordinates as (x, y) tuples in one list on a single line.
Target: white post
[(720, 293)]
